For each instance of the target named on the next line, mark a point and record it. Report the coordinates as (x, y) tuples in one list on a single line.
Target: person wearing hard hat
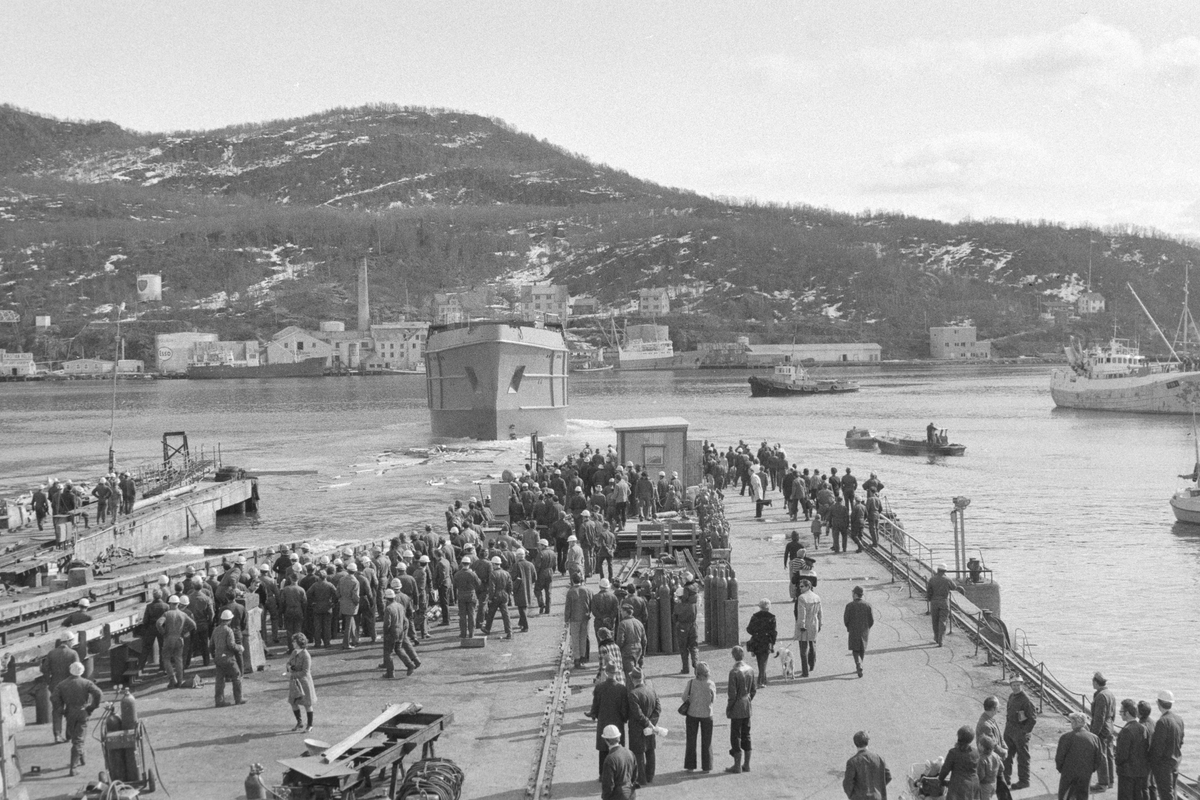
[(56, 668), (420, 575), (500, 589), (395, 636), (321, 599), (79, 616), (466, 587), (294, 602), (173, 626), (348, 597), (78, 697), (148, 631), (545, 563), (225, 655)]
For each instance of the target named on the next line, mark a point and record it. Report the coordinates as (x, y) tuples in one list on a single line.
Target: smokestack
[(364, 301)]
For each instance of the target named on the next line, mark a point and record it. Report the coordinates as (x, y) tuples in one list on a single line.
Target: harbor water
[(1069, 508)]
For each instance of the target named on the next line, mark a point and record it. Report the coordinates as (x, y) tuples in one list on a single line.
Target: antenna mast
[(1187, 335)]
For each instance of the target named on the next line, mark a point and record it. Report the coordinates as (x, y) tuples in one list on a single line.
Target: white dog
[(787, 661)]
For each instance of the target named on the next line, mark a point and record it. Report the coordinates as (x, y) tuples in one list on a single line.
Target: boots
[(746, 764), (737, 762)]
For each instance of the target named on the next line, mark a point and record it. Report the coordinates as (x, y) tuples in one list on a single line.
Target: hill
[(260, 226)]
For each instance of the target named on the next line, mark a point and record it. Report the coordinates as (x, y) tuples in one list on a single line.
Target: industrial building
[(762, 355), (957, 341), (16, 365)]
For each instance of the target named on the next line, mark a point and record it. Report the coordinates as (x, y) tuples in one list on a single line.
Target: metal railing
[(911, 560)]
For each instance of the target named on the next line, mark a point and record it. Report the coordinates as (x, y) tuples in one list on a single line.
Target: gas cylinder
[(708, 594), (129, 715), (720, 593), (731, 627), (652, 626), (41, 703), (255, 788), (664, 618)]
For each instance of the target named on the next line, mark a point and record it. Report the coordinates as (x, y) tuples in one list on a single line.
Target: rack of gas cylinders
[(670, 585)]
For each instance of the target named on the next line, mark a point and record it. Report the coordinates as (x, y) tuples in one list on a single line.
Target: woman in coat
[(808, 625), (960, 770), (301, 690), (700, 694), (762, 637)]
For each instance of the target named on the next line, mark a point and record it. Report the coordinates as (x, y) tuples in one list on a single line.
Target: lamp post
[(960, 532)]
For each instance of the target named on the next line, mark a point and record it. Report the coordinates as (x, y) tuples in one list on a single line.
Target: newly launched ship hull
[(1156, 393), (496, 380)]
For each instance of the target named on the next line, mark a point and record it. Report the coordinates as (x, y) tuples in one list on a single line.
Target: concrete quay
[(912, 699)]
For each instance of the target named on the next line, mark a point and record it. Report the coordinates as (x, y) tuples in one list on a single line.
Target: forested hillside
[(261, 226)]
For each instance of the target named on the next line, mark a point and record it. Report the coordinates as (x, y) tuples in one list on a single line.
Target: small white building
[(957, 341), (652, 302), (86, 367), (448, 308), (131, 366), (398, 345), (1089, 303), (16, 365)]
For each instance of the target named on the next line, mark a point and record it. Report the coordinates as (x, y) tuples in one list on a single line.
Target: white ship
[(1117, 377), (646, 347)]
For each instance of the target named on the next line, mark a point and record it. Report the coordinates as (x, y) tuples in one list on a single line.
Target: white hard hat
[(85, 603), (496, 560), (389, 594), (173, 599), (76, 668), (227, 614), (184, 600), (424, 559)]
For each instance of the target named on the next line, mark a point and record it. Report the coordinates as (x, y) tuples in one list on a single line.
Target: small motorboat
[(860, 439), (1186, 502), (891, 445)]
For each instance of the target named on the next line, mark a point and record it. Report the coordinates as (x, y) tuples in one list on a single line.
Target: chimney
[(364, 302)]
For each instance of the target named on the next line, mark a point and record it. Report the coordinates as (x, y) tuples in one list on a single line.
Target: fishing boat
[(589, 366), (860, 439), (891, 445), (644, 347), (1117, 377), (791, 378), (497, 378), (1186, 502)]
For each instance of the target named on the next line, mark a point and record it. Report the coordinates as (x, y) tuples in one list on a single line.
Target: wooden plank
[(392, 710)]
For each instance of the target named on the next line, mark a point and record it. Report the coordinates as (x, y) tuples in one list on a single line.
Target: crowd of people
[(113, 495), (563, 519)]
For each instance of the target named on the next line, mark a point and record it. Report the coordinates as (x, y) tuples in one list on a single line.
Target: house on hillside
[(653, 302), (293, 344), (584, 305), (448, 308), (957, 341), (16, 365), (542, 300), (1090, 303)]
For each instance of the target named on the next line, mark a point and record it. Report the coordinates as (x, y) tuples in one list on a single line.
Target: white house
[(16, 364), (652, 302), (1089, 303)]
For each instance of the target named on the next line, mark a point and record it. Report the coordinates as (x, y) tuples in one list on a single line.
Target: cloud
[(1177, 61), (1087, 51), (969, 161)]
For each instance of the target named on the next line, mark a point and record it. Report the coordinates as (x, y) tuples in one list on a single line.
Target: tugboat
[(791, 379)]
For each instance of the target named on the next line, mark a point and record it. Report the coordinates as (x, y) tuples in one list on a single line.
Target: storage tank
[(332, 326), (149, 287), (41, 321)]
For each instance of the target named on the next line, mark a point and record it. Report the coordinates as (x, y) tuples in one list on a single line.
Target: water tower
[(149, 287)]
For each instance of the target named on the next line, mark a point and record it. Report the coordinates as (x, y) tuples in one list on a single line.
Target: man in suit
[(1079, 755), (1104, 715), (644, 710), (1132, 756), (938, 589), (610, 709), (1166, 745), (867, 776), (1020, 717), (858, 618), (742, 688)]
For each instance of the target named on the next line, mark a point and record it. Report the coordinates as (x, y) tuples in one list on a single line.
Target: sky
[(1077, 112)]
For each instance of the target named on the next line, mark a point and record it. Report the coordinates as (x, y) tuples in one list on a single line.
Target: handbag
[(687, 702)]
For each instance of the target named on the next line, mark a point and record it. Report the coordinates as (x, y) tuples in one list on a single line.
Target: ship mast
[(1152, 322), (1187, 335)]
